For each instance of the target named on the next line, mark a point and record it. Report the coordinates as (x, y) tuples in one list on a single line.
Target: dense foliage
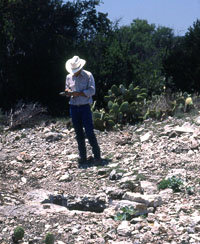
[(37, 37), (183, 63)]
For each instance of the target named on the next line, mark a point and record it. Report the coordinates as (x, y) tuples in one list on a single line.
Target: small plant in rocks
[(198, 181), (129, 185), (18, 234), (190, 190), (49, 239), (126, 213), (140, 177), (174, 183)]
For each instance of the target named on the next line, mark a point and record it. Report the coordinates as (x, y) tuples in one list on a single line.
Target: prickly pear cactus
[(99, 124), (124, 104), (96, 115), (121, 89), (115, 107), (107, 98), (115, 90), (124, 107), (99, 119), (110, 104), (131, 102)]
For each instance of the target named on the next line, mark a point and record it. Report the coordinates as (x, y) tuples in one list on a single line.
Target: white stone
[(166, 194), (148, 200), (66, 131), (46, 130), (113, 165), (184, 129), (65, 177), (149, 187), (198, 120), (75, 230), (72, 156), (47, 226), (119, 242), (124, 228), (131, 178), (196, 220), (146, 136), (179, 173), (24, 180)]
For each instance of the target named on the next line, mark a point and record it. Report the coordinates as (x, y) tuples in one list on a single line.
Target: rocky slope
[(43, 189)]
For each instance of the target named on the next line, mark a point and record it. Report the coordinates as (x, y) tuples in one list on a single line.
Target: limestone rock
[(124, 229), (43, 189), (148, 200), (66, 177), (148, 187), (146, 137)]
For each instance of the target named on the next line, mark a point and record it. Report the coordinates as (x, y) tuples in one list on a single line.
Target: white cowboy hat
[(74, 64)]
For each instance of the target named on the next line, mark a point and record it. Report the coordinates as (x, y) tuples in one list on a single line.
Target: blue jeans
[(82, 119)]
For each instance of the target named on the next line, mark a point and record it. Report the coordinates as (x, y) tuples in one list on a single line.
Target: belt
[(80, 105)]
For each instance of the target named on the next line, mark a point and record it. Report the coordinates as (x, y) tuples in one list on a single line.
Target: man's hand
[(68, 90)]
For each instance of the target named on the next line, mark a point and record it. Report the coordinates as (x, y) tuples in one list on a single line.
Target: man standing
[(80, 86)]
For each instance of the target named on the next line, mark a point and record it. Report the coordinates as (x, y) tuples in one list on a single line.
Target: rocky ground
[(43, 190)]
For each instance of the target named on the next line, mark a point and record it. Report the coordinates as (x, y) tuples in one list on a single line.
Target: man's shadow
[(91, 163)]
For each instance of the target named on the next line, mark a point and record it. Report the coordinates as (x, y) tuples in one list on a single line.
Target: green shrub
[(190, 190), (18, 233), (140, 177), (174, 183), (126, 213), (49, 238), (164, 184)]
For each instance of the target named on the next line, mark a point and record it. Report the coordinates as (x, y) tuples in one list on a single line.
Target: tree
[(192, 45), (33, 37), (183, 63), (36, 40), (129, 54)]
